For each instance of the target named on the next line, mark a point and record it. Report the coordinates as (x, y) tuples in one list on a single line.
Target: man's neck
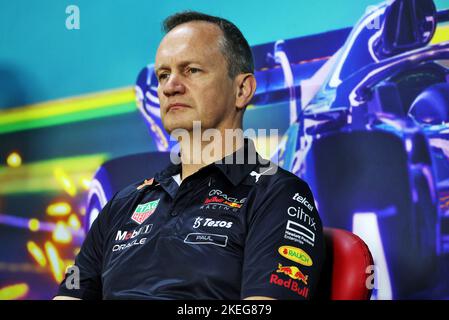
[(198, 154)]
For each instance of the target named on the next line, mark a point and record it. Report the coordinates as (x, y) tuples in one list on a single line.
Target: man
[(218, 225)]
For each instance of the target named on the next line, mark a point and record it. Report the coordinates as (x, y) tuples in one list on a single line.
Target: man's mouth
[(177, 106)]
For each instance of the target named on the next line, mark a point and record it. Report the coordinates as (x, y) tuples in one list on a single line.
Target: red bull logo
[(213, 200), (218, 200), (233, 204), (289, 284), (293, 272)]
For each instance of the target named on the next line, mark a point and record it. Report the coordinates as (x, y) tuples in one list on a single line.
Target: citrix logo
[(302, 216)]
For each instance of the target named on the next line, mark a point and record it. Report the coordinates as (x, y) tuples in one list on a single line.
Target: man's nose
[(173, 85)]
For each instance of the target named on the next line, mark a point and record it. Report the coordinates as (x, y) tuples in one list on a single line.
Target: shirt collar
[(238, 165), (235, 166)]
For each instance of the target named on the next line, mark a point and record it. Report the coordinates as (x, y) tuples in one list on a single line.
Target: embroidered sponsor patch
[(144, 211), (296, 254), (147, 182), (131, 234), (290, 284), (208, 222), (299, 233), (207, 238), (217, 200), (130, 238), (293, 272)]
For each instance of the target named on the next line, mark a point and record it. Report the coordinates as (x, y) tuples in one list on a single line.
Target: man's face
[(193, 78)]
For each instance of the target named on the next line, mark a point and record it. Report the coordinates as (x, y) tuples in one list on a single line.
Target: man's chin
[(178, 126)]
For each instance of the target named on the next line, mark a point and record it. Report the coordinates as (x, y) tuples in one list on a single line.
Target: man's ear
[(246, 86)]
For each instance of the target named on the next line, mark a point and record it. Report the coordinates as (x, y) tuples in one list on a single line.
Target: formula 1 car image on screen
[(364, 113)]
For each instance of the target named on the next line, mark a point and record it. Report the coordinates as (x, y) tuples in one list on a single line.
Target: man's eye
[(194, 70), (162, 76)]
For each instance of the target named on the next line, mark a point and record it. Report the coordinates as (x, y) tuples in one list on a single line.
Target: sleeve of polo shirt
[(88, 262), (284, 249)]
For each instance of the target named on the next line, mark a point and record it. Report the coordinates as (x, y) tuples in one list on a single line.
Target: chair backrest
[(346, 269)]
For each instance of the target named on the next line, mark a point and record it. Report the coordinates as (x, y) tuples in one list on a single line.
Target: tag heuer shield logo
[(143, 211)]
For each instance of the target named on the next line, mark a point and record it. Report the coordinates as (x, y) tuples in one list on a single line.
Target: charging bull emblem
[(293, 272)]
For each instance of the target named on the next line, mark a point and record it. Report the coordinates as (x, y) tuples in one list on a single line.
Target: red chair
[(345, 270)]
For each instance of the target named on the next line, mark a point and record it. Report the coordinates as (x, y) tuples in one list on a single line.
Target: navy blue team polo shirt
[(228, 231)]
